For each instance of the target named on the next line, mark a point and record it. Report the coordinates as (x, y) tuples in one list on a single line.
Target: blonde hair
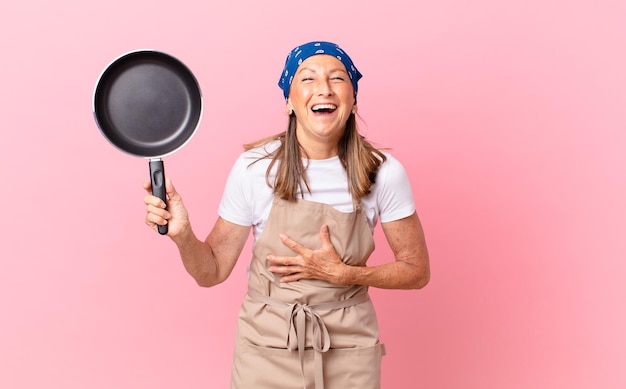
[(359, 158)]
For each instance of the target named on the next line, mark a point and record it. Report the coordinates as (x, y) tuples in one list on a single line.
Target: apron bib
[(309, 333)]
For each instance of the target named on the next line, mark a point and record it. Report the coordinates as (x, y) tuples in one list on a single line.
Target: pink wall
[(508, 115)]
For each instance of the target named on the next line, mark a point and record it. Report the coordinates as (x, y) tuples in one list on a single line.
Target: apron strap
[(296, 315)]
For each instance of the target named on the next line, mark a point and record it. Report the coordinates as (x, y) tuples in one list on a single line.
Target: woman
[(312, 196)]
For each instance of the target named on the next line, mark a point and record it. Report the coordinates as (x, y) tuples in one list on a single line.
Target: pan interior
[(147, 104)]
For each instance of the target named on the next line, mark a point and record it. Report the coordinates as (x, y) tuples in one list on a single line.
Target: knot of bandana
[(302, 52)]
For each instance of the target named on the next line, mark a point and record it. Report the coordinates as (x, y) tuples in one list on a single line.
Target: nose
[(324, 88)]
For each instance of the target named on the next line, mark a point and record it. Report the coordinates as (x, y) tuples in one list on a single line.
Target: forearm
[(410, 268), (198, 258), (394, 275)]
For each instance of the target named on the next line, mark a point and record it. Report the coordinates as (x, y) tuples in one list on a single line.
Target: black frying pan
[(148, 104)]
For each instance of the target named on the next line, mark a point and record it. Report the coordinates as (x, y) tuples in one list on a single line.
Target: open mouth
[(324, 108)]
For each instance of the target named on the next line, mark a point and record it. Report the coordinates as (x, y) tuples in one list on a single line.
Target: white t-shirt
[(247, 198)]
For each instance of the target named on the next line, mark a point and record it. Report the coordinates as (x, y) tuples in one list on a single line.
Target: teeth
[(320, 107)]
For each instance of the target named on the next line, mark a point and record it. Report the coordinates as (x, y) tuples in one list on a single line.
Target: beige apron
[(310, 333)]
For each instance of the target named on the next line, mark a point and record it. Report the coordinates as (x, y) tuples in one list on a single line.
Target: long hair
[(359, 158)]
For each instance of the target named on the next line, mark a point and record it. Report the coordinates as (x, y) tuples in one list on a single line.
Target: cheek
[(347, 95), (299, 95), (305, 92)]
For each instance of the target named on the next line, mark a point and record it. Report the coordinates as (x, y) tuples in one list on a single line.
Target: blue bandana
[(302, 52)]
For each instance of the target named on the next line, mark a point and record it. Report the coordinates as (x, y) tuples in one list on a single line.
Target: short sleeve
[(235, 206), (394, 193)]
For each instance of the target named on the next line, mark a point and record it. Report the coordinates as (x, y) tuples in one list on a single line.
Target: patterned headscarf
[(302, 52)]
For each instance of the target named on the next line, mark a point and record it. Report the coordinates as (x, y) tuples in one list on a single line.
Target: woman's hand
[(409, 270), (321, 264), (175, 216)]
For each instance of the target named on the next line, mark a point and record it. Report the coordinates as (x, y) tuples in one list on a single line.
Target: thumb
[(170, 189), (325, 236)]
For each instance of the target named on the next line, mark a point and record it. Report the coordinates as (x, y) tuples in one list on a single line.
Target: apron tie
[(296, 317)]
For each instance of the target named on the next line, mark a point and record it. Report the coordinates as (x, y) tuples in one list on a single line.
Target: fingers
[(292, 244), (279, 262), (320, 263), (156, 212), (154, 201), (300, 249), (291, 277), (170, 190), (286, 268)]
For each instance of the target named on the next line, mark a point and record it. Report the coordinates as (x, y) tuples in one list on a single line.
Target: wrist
[(184, 236), (344, 275)]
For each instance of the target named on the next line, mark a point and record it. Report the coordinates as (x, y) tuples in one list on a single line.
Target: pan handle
[(157, 180)]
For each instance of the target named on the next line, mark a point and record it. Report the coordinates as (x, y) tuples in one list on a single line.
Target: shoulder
[(247, 194), (391, 169), (262, 151), (256, 159)]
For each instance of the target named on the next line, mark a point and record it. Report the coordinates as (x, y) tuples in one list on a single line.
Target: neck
[(318, 148), (315, 153)]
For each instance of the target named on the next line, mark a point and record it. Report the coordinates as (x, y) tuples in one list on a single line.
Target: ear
[(289, 108), (355, 109)]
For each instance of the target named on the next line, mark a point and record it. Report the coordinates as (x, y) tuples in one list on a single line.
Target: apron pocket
[(353, 367), (269, 368), (274, 368)]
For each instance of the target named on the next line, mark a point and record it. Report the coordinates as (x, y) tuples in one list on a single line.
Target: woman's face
[(322, 99)]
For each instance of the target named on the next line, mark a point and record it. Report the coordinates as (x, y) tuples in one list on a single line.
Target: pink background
[(508, 115)]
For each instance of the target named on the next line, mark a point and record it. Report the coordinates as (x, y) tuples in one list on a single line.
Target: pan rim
[(156, 53)]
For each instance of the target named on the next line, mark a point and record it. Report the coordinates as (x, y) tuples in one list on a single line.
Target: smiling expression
[(322, 98)]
